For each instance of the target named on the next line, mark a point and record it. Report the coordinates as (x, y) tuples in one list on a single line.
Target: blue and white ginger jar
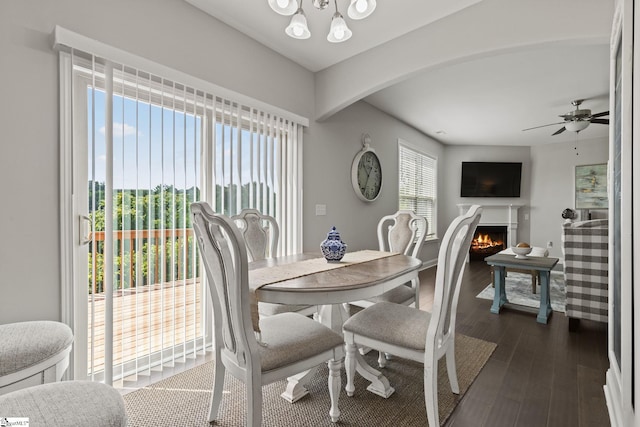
[(333, 248)]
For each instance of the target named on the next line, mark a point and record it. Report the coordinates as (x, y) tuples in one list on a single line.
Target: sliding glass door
[(141, 138), (142, 148)]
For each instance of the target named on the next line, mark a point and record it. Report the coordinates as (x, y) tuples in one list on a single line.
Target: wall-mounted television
[(490, 179)]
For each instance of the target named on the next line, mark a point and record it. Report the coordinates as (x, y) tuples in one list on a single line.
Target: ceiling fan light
[(360, 9), (298, 28), (339, 31), (284, 7), (576, 125)]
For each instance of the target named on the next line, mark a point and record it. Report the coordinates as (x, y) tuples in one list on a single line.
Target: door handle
[(85, 231)]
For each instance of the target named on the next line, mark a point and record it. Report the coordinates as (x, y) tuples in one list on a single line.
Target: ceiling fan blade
[(600, 121), (604, 113), (562, 129), (550, 124)]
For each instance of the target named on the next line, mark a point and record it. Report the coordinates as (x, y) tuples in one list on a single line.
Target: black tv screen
[(490, 179)]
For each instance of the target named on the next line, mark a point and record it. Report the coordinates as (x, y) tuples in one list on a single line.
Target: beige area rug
[(183, 400)]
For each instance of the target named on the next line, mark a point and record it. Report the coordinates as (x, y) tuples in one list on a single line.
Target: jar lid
[(333, 234)]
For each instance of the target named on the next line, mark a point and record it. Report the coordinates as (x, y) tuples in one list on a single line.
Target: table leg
[(379, 383), (545, 297), (332, 316), (296, 386), (499, 295)]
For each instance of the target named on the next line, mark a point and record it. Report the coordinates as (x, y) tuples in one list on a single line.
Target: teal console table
[(500, 262)]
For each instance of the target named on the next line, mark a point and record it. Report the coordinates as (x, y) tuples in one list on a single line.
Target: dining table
[(308, 279)]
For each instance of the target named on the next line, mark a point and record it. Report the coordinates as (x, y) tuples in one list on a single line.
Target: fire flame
[(484, 241)]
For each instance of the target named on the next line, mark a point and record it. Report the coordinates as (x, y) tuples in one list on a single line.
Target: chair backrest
[(224, 255), (261, 233), (403, 232), (451, 261)]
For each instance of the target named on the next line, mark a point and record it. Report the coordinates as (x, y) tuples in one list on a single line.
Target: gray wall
[(553, 169), (327, 175)]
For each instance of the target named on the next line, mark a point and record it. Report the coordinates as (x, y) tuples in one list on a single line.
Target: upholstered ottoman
[(33, 353), (66, 403)]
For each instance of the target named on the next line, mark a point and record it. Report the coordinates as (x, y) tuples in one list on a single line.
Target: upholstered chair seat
[(66, 403), (286, 345), (267, 309), (392, 320), (33, 353), (399, 293)]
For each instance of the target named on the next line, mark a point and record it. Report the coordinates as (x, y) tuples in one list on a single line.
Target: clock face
[(369, 175)]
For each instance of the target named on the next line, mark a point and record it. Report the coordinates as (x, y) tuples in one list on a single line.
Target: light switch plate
[(321, 210)]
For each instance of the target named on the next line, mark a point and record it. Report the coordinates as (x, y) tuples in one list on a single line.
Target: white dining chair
[(286, 344), (261, 235), (403, 232), (418, 335)]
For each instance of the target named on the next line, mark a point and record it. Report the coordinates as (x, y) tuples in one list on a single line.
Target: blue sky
[(160, 145), (164, 146)]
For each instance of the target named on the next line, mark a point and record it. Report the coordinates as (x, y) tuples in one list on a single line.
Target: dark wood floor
[(539, 375)]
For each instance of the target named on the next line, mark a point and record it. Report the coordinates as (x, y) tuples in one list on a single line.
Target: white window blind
[(417, 184), (153, 146)]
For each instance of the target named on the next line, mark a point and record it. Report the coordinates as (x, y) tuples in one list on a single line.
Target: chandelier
[(338, 32)]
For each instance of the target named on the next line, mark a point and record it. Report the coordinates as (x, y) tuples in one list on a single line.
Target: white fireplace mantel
[(498, 214)]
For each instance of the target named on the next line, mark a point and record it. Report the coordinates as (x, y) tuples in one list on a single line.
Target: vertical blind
[(154, 146), (417, 184)]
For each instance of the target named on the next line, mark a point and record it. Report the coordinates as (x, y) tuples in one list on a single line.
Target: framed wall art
[(591, 186)]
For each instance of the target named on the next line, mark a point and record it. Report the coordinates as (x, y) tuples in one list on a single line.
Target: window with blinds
[(417, 184), (145, 147)]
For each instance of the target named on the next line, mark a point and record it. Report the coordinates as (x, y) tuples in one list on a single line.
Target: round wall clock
[(366, 172)]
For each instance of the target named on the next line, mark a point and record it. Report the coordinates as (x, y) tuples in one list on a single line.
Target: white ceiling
[(487, 100), (389, 21)]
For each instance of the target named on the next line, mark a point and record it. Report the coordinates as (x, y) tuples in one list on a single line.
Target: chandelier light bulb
[(360, 9), (298, 28), (284, 7), (339, 31)]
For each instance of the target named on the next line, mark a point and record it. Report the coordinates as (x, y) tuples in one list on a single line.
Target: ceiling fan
[(577, 119)]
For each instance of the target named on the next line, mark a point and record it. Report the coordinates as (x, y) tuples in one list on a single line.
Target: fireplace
[(503, 216), (488, 240)]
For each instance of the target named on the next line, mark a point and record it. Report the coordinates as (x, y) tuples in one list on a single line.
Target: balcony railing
[(153, 320)]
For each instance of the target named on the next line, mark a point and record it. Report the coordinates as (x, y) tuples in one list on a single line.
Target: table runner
[(279, 273)]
